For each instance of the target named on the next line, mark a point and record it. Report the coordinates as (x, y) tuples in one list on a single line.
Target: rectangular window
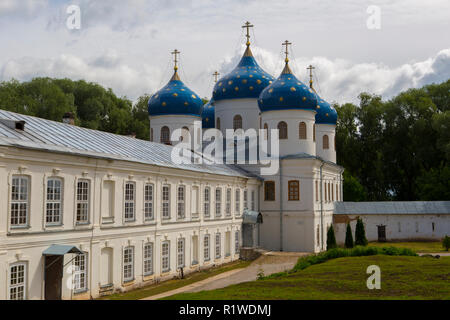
[(180, 253), (238, 202), (130, 204), (79, 273), (245, 199), (17, 282), (54, 202), (253, 200), (325, 191), (128, 264), (399, 227), (19, 201), (166, 202), (218, 202), (417, 226), (218, 245), (207, 203), (432, 226), (181, 202), (165, 255), (148, 202), (332, 192), (294, 190), (337, 192), (148, 259), (236, 242), (228, 203), (83, 201), (269, 191), (206, 249)]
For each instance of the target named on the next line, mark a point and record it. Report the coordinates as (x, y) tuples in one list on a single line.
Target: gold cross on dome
[(175, 54), (287, 44), (310, 68), (216, 76), (247, 26)]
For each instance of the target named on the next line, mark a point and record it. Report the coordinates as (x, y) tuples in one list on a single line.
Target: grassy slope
[(176, 283), (422, 247), (345, 278)]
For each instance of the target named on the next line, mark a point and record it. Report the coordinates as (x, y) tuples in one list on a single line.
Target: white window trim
[(237, 202), (181, 203), (124, 264), (87, 202), (218, 206), (245, 199), (77, 273), (237, 242), (207, 203), (131, 202), (149, 207), (181, 254), (19, 202), (253, 200), (207, 248), (228, 202), (163, 256), (22, 284), (60, 202), (165, 217), (148, 260), (218, 245)]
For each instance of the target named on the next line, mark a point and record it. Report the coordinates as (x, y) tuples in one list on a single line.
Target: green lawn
[(176, 283), (422, 247), (402, 277)]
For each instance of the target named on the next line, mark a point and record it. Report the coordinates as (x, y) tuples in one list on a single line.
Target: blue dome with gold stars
[(326, 114), (208, 115), (175, 99), (247, 80), (287, 93)]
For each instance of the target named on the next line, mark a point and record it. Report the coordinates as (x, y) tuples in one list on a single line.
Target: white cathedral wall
[(329, 130), (106, 231), (173, 122), (247, 108), (293, 144), (398, 226)]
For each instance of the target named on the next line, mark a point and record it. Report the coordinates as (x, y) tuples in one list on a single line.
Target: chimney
[(69, 118)]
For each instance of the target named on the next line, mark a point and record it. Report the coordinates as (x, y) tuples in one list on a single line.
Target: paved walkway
[(269, 263)]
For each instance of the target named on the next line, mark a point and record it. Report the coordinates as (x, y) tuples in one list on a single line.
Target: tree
[(446, 243), (434, 185), (331, 239), (349, 237), (360, 234), (353, 190)]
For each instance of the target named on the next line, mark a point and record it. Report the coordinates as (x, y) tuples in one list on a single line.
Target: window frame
[(207, 247), (302, 131), (181, 253), (228, 203), (237, 122), (165, 130), (147, 259), (237, 202), (181, 202), (149, 206), (218, 202), (80, 285), (245, 199), (128, 264), (266, 197), (237, 243), (294, 190), (283, 130), (218, 246), (54, 202), (19, 202), (253, 200), (18, 285), (325, 142), (165, 202), (165, 257), (87, 202), (207, 202), (128, 202)]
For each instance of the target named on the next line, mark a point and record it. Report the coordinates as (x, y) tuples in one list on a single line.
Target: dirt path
[(269, 263)]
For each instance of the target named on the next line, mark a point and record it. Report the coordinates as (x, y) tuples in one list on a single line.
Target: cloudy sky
[(126, 45)]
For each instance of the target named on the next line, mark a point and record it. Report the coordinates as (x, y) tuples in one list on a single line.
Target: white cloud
[(21, 7)]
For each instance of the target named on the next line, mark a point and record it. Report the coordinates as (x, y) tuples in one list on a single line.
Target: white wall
[(173, 122), (330, 131), (407, 230), (28, 244), (226, 110)]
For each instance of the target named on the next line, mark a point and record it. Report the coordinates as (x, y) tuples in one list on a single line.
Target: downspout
[(281, 207), (321, 204)]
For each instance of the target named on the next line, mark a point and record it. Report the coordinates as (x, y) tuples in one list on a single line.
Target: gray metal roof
[(52, 136), (60, 250), (252, 217), (397, 207)]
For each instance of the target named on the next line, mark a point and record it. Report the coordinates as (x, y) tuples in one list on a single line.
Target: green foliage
[(360, 234), (390, 147), (446, 243), (434, 184), (358, 251), (94, 106), (331, 238), (353, 190), (349, 237)]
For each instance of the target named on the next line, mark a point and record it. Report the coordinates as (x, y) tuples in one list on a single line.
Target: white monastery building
[(85, 213)]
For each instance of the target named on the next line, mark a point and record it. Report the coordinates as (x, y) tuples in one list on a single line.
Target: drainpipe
[(281, 207), (321, 204)]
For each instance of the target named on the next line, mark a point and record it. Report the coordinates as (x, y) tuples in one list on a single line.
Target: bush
[(446, 243), (360, 234), (331, 239), (358, 251), (349, 237)]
